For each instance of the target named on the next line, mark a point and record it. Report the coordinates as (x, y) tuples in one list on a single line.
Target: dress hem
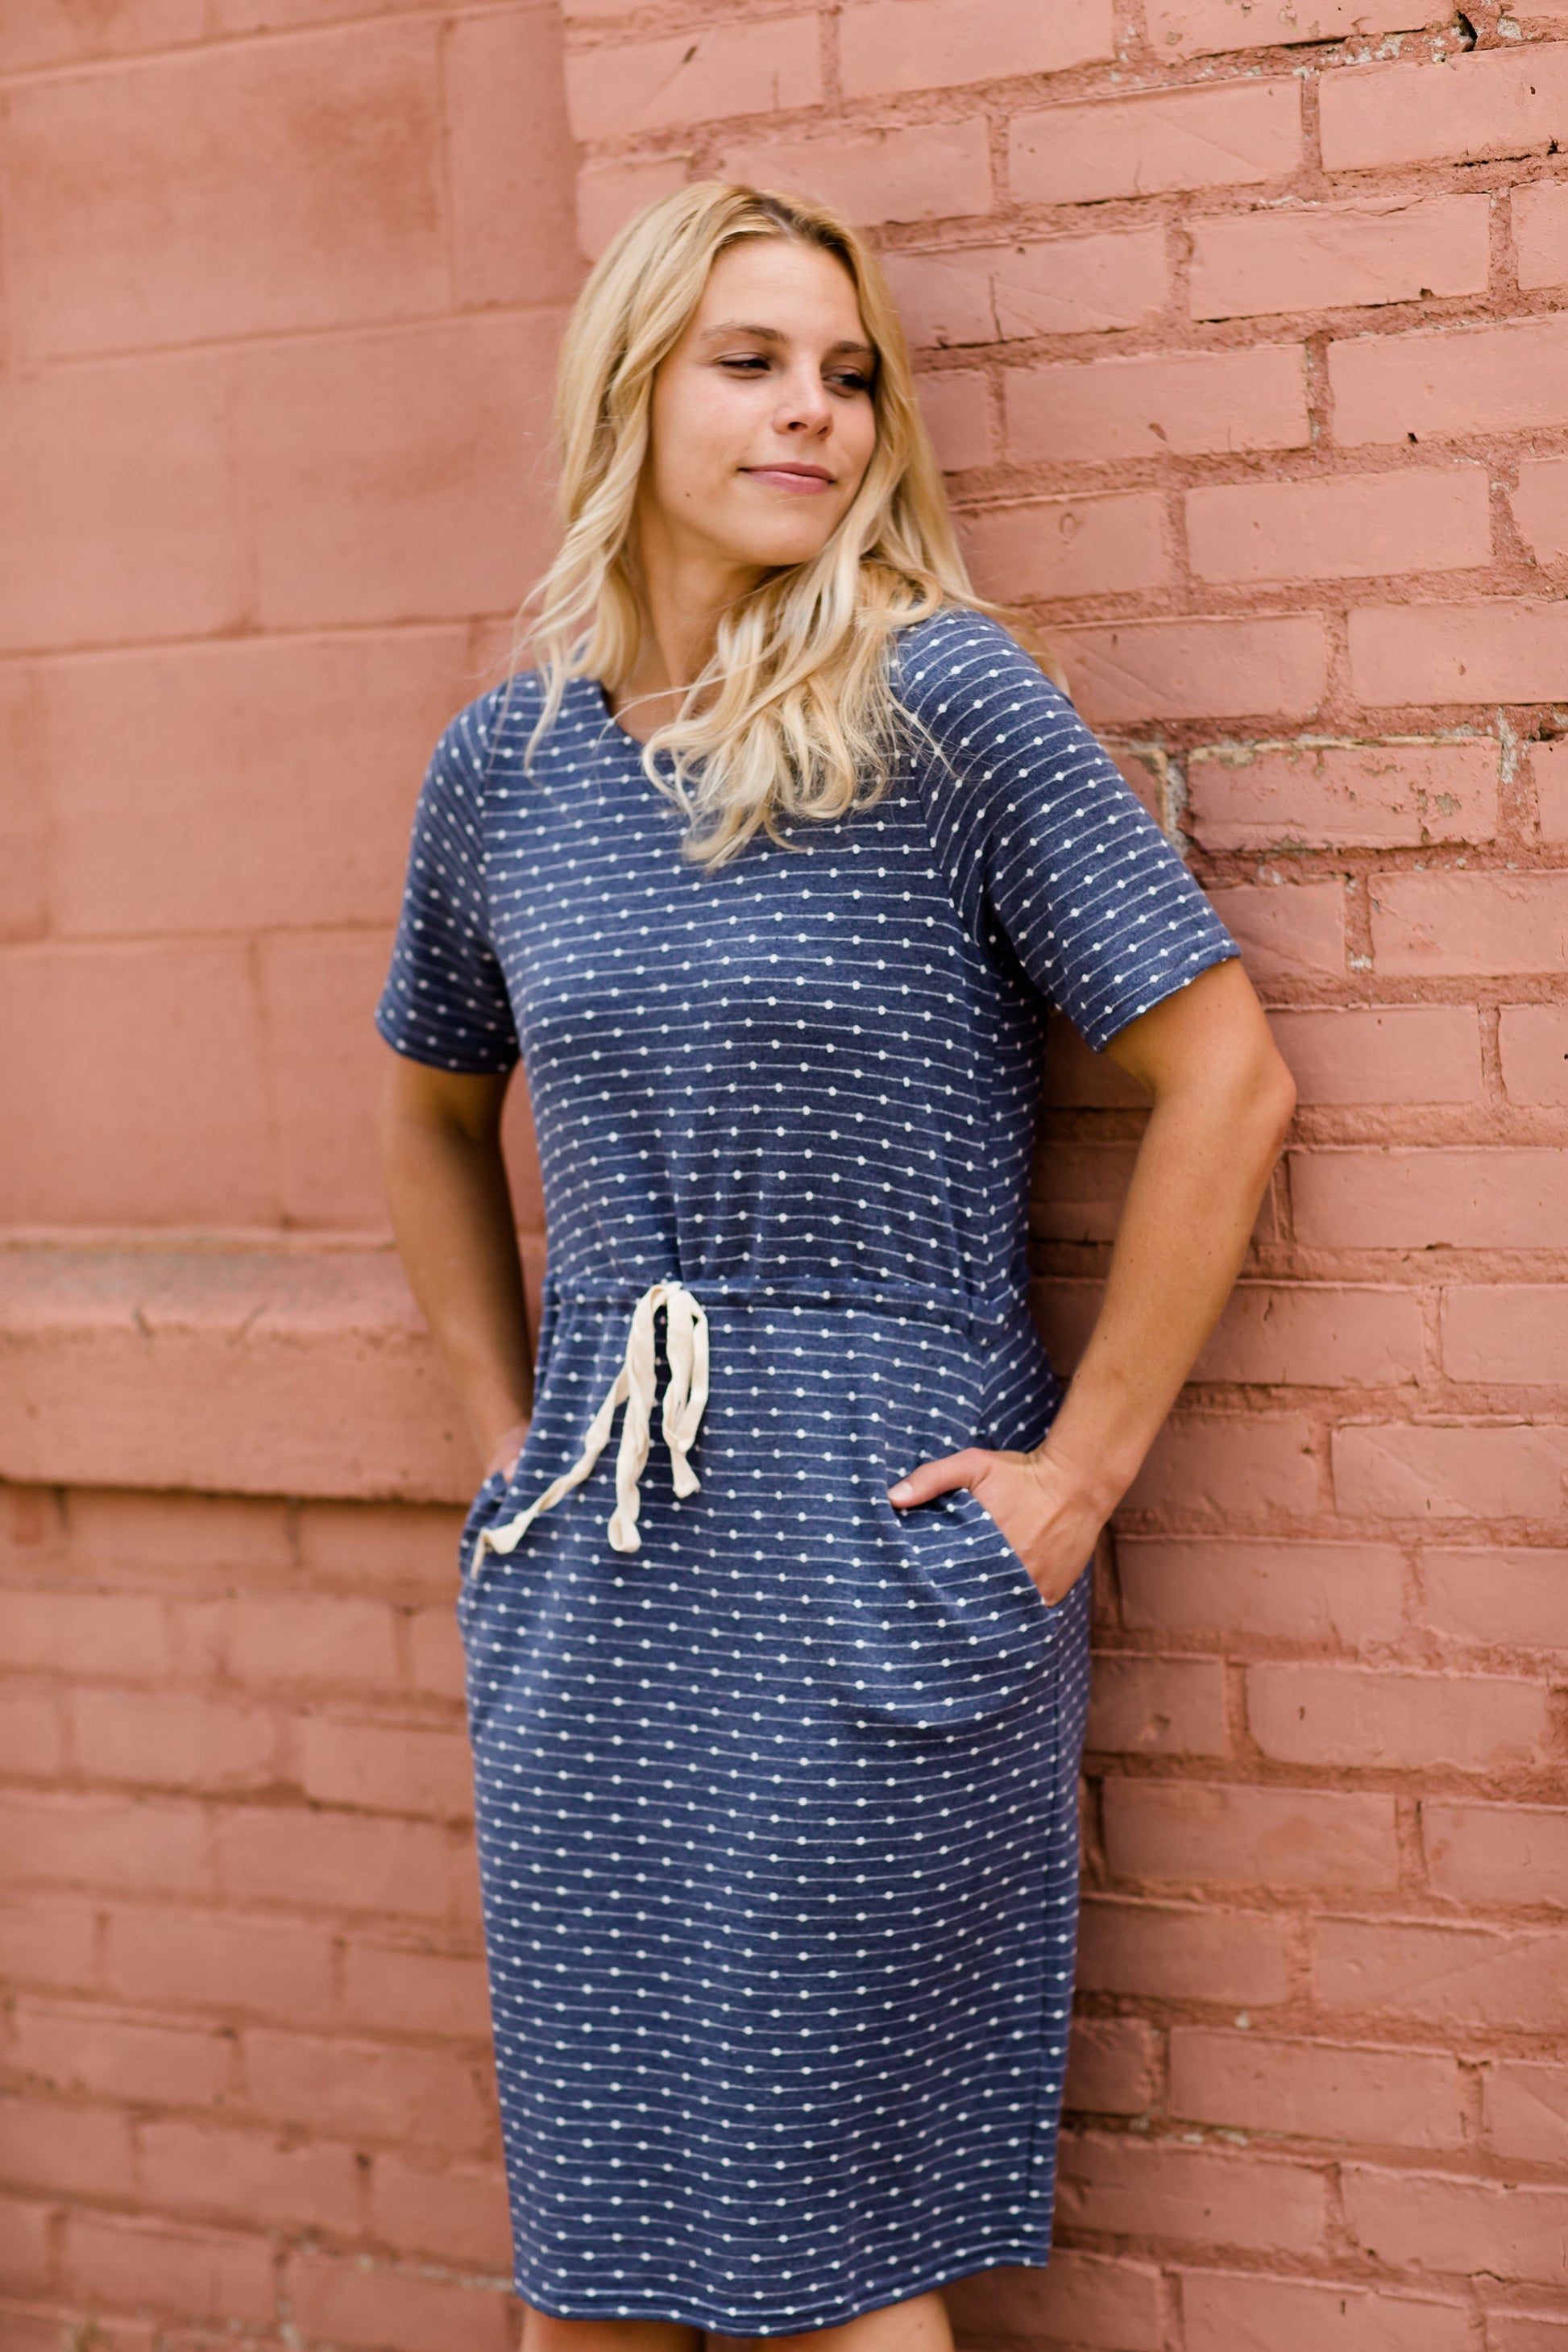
[(737, 2326)]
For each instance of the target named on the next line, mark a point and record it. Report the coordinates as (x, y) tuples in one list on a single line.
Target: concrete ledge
[(233, 1370)]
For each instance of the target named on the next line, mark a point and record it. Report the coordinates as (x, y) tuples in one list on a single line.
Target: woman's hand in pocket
[(507, 1451), (1043, 1508)]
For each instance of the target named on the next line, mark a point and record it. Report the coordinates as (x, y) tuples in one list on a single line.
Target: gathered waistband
[(908, 1300)]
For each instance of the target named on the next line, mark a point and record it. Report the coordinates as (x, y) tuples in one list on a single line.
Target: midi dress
[(775, 1782)]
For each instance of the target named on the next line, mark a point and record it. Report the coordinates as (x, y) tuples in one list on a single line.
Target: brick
[(1448, 381), (695, 77), (129, 2261), (1175, 403), (46, 1942), (1078, 1191), (1196, 669), (1450, 1977), (166, 1537), (1158, 1707), (610, 190), (437, 1654), (1501, 649), (54, 33), (1513, 1331), (310, 1639), (1347, 526), (99, 2053), (1227, 1835), (84, 2152), (1196, 28), (1106, 2304), (1496, 102), (1497, 1853), (32, 1742), (110, 1841), (325, 1061), (1348, 1593), (348, 1862), (281, 776), (1338, 256), (134, 213), (1386, 1053), (395, 474), (459, 2212), (1495, 1471), (414, 1991), (1534, 1043), (377, 2091), (114, 1049), (957, 411), (1233, 135), (1304, 1714), (172, 1742), (1524, 2110), (1510, 1597), (1231, 1466), (257, 2177), (1522, 2331), (1286, 932), (929, 170), (354, 2303), (1394, 2098), (1506, 1197), (119, 510), (1344, 796), (226, 1961), (24, 875), (1236, 2313), (391, 1549), (510, 158), (907, 45), (1069, 547), (1112, 2066), (1409, 2220), (26, 2260), (1155, 2188), (1539, 506), (385, 1768), (1541, 234), (1549, 772), (1160, 1952), (1049, 286)]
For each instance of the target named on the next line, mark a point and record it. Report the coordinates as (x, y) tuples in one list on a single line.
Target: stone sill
[(225, 1365)]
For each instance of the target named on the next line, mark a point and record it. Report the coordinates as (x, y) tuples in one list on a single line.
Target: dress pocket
[(1028, 1589)]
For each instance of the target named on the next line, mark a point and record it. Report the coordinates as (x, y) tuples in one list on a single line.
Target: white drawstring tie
[(685, 1394)]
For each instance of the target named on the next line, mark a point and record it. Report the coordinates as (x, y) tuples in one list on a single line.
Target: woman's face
[(762, 421)]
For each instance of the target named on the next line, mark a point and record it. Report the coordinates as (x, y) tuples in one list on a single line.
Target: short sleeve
[(1041, 838), (446, 1000)]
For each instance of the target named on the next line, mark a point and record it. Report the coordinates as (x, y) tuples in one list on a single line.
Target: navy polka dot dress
[(777, 1804)]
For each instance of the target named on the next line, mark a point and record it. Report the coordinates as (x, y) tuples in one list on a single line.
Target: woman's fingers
[(939, 1477)]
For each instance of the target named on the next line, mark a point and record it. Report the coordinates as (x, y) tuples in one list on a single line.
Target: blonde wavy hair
[(795, 713)]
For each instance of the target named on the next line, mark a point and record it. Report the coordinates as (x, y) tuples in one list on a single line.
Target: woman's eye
[(851, 380), (749, 360)]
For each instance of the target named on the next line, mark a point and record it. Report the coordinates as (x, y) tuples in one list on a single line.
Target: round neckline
[(624, 732)]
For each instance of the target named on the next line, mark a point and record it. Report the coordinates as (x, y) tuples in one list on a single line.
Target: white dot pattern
[(776, 1817)]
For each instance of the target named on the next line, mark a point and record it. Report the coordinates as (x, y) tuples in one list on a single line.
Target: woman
[(769, 872)]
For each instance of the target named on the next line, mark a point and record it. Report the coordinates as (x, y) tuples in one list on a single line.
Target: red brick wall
[(1246, 349)]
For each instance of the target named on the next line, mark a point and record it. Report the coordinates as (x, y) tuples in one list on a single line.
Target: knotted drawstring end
[(685, 1395)]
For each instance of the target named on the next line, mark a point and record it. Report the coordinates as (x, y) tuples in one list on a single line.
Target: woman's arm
[(452, 1214), (1222, 1100)]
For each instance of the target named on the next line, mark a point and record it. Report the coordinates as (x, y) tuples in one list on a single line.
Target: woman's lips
[(784, 478)]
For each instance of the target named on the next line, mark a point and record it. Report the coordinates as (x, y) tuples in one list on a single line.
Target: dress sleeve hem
[(1156, 988)]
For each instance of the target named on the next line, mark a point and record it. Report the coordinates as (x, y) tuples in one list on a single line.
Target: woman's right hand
[(507, 1452)]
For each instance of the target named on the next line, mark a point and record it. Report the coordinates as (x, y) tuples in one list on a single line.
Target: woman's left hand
[(1042, 1506)]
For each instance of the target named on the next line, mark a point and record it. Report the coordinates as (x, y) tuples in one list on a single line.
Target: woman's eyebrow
[(774, 335)]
